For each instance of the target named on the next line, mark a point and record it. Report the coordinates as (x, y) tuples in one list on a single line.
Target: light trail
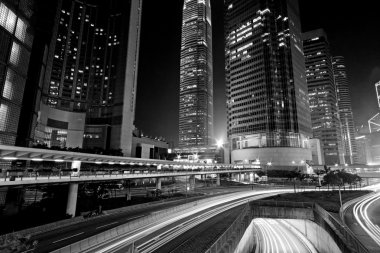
[(120, 242), (360, 211), (277, 236)]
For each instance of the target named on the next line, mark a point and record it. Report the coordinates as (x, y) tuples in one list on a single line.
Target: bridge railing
[(20, 175)]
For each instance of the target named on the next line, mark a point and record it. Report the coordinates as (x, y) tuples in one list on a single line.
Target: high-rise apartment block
[(16, 40), (89, 89), (268, 106), (345, 109), (196, 76), (323, 95)]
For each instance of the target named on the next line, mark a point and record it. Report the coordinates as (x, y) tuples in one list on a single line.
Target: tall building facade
[(323, 95), (89, 90), (345, 110), (267, 107), (196, 76), (16, 40), (374, 122)]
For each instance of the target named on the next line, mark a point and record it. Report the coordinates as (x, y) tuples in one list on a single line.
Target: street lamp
[(219, 143)]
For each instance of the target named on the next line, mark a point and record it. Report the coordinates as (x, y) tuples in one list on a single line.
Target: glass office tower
[(323, 96), (16, 39), (196, 77), (345, 109), (268, 108)]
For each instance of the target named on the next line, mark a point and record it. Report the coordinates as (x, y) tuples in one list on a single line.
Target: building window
[(7, 18)]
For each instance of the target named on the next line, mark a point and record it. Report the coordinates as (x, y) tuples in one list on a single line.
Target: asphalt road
[(61, 237), (274, 236)]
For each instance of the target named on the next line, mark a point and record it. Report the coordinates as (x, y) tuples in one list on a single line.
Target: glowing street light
[(219, 143)]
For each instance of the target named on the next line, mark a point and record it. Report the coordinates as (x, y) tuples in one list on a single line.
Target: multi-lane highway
[(62, 236), (153, 236), (277, 236)]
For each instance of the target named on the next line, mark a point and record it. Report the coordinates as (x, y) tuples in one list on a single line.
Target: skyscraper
[(16, 40), (267, 107), (196, 77), (345, 109), (322, 95), (374, 122), (90, 83)]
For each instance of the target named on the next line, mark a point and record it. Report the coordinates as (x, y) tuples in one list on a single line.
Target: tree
[(17, 243)]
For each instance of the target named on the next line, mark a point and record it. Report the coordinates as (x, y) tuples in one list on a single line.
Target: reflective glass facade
[(16, 38), (345, 109), (196, 77), (267, 102), (323, 95)]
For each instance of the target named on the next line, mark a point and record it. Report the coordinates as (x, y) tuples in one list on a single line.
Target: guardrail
[(68, 177)]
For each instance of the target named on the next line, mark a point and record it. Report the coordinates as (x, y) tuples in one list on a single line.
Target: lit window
[(7, 18), (15, 54), (4, 115)]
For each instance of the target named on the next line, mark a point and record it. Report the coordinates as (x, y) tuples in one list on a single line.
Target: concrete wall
[(279, 157), (282, 212), (248, 241), (321, 240)]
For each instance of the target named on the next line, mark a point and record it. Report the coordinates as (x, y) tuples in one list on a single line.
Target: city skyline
[(361, 75)]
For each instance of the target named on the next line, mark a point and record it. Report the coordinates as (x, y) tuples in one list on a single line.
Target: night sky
[(352, 29)]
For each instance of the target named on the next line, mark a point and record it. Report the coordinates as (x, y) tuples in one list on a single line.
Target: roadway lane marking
[(107, 225), (68, 237), (136, 217)]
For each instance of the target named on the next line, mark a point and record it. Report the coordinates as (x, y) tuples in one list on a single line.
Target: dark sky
[(352, 29)]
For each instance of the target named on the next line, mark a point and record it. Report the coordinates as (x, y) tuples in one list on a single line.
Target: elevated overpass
[(45, 166)]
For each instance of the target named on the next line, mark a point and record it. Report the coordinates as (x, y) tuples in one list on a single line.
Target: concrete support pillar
[(158, 183), (251, 177), (72, 199), (218, 179), (128, 194), (192, 182)]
